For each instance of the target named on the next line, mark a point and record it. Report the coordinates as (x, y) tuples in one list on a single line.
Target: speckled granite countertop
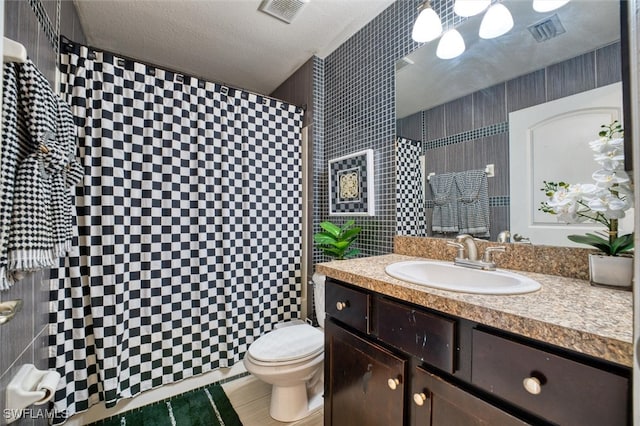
[(566, 312)]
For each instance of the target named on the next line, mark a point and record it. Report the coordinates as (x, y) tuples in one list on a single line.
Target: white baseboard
[(99, 411)]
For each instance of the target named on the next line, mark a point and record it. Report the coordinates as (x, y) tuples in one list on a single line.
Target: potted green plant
[(335, 241), (604, 202)]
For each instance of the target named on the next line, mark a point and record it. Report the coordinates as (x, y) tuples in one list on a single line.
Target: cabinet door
[(439, 403), (364, 383)]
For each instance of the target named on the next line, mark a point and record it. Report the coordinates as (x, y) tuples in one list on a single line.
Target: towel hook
[(490, 170)]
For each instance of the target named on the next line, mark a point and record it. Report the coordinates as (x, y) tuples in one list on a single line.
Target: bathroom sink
[(447, 276)]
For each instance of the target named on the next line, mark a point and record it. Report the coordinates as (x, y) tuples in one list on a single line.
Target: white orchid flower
[(560, 198), (581, 190), (566, 212), (611, 160), (564, 203), (605, 201), (605, 144), (598, 143), (607, 178), (608, 204)]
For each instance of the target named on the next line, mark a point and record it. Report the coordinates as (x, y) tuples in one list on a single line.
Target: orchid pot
[(611, 271)]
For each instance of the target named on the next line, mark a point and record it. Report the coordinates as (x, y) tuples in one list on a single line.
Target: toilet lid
[(287, 343)]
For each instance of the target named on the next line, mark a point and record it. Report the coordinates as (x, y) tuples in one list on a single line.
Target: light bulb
[(427, 26), (470, 7), (548, 5), (451, 45), (496, 22)]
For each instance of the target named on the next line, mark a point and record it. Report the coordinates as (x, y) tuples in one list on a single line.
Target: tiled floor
[(250, 397)]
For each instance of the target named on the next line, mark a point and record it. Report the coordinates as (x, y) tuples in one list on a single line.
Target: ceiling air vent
[(403, 62), (546, 29), (284, 10)]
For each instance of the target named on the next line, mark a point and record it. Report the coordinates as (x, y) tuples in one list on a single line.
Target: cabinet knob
[(532, 385), (393, 383), (341, 305), (419, 398)]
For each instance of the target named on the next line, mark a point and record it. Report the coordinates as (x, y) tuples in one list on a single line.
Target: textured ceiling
[(226, 41)]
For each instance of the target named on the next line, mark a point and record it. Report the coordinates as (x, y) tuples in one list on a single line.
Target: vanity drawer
[(347, 305), (429, 337), (569, 392)]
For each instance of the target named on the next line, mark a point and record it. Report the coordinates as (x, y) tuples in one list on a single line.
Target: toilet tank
[(318, 295)]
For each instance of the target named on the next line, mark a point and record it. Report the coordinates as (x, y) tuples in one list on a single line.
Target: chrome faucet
[(521, 239), (470, 245), (486, 258), (467, 255), (504, 237)]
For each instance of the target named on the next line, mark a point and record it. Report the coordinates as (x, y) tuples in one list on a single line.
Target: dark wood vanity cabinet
[(438, 402), (367, 381), (389, 363)]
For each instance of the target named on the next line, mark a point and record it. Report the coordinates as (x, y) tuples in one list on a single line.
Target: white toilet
[(290, 359)]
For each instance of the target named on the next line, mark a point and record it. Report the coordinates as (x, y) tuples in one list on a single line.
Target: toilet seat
[(296, 343)]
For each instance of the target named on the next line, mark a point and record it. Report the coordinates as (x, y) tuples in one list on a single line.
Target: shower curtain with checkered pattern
[(409, 188), (188, 228)]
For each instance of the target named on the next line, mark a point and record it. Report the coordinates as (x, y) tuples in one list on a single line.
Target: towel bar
[(490, 170)]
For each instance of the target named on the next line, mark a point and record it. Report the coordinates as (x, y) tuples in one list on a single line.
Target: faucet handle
[(489, 250), (459, 246)]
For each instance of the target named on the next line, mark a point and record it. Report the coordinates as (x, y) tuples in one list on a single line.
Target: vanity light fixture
[(496, 22), (428, 25), (548, 5), (468, 8), (451, 45)]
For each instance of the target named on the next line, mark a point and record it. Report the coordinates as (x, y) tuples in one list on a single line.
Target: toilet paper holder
[(9, 309), (29, 386)]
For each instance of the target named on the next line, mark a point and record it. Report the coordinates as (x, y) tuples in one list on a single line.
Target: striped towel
[(473, 202), (445, 209), (12, 154), (38, 168)]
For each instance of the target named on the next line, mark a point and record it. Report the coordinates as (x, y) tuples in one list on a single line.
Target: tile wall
[(359, 114), (36, 24)]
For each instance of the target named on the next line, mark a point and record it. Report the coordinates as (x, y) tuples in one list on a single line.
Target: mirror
[(453, 115)]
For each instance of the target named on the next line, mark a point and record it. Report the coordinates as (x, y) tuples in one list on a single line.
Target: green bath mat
[(208, 406)]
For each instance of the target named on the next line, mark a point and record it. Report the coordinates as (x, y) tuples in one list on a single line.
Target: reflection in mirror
[(457, 111), (560, 130)]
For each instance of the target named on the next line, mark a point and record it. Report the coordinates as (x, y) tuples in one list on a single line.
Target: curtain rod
[(64, 41)]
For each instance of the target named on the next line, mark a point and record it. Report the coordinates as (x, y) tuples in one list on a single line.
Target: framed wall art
[(351, 191)]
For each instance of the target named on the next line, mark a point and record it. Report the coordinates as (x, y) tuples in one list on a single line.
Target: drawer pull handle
[(342, 305), (419, 398), (532, 385), (393, 383)]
